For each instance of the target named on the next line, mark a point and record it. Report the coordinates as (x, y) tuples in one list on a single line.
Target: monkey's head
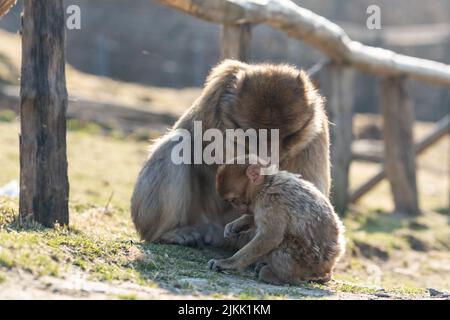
[(273, 97), (238, 183)]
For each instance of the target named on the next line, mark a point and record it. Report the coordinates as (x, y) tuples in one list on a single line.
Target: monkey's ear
[(254, 174)]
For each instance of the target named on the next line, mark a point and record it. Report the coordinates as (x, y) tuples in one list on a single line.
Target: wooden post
[(441, 128), (235, 41), (341, 107), (398, 117), (44, 186)]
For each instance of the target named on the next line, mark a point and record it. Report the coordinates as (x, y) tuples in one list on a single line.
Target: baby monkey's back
[(313, 234)]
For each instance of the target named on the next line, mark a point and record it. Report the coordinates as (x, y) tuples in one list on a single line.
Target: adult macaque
[(177, 203), (298, 235)]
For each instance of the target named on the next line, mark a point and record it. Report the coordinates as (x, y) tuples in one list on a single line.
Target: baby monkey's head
[(237, 183)]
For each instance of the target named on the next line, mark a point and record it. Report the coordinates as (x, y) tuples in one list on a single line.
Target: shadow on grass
[(444, 211), (381, 222), (17, 224), (183, 270)]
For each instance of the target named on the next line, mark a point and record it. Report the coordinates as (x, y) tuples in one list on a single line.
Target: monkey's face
[(273, 97), (238, 203), (232, 185)]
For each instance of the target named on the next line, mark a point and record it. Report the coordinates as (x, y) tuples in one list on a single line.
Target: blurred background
[(145, 42)]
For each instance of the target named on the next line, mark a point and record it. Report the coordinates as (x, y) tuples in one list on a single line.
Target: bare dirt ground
[(21, 285)]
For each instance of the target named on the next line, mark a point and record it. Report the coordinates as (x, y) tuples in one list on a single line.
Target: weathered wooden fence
[(237, 18), (44, 185)]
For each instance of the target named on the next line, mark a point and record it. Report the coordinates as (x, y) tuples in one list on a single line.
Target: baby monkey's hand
[(230, 231), (233, 228), (220, 264)]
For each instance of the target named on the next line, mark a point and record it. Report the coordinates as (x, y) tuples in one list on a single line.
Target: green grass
[(101, 241), (83, 126), (100, 247), (7, 116), (127, 296)]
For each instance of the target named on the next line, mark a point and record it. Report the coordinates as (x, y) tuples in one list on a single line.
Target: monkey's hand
[(230, 231), (233, 228), (220, 264)]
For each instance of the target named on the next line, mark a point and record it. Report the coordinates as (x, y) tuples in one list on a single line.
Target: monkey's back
[(313, 239)]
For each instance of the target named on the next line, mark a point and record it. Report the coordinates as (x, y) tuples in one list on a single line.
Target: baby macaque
[(296, 235)]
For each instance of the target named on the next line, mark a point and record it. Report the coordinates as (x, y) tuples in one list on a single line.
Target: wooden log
[(367, 186), (398, 120), (44, 186), (441, 128), (340, 105), (324, 35), (235, 41), (5, 6), (367, 157)]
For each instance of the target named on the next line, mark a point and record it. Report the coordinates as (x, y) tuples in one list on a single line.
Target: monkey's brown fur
[(298, 235), (178, 203)]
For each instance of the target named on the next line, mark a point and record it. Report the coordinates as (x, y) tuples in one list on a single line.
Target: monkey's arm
[(240, 224), (269, 235)]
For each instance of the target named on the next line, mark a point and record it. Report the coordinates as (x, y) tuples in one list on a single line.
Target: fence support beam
[(341, 107), (441, 128), (44, 185), (398, 117), (235, 41)]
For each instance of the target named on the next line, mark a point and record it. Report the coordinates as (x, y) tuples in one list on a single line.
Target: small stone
[(434, 292), (382, 295)]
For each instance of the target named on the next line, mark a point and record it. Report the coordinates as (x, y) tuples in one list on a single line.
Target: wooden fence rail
[(237, 18), (306, 26), (5, 5), (440, 129)]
